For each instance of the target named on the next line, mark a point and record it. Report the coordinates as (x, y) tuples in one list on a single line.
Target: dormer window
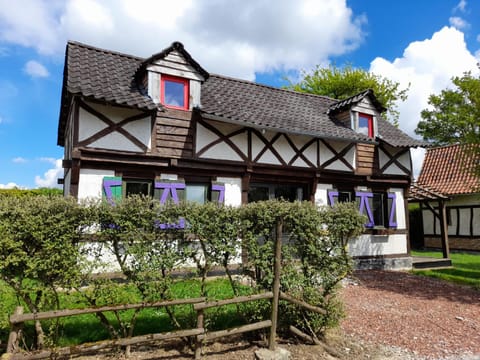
[(174, 92), (365, 125)]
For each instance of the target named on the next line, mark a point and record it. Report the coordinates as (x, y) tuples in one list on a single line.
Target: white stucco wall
[(400, 209), (373, 245), (321, 194), (233, 190), (90, 183)]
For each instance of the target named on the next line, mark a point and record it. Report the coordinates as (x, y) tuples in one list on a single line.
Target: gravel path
[(429, 317)]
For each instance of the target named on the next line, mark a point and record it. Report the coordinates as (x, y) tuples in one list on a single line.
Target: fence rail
[(18, 319)]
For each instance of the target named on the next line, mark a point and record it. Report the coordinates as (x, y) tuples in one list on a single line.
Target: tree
[(342, 83), (455, 114)]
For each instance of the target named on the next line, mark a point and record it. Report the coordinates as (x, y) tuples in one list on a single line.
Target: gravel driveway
[(429, 317)]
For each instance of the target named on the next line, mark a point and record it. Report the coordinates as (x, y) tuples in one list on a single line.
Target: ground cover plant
[(465, 270)]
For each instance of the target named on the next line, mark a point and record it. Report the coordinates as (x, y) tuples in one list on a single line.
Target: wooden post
[(14, 337), (276, 283), (199, 339), (444, 230)]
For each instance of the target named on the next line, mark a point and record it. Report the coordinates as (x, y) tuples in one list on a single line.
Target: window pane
[(377, 209), (363, 124), (258, 193), (288, 193), (196, 193), (137, 187), (174, 93), (344, 196)]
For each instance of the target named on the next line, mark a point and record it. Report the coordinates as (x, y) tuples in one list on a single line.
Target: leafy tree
[(454, 116), (342, 83)]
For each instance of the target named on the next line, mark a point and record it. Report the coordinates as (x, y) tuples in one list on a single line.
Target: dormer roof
[(354, 100), (176, 46)]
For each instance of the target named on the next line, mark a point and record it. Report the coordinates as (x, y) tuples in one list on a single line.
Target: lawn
[(465, 271), (86, 328)]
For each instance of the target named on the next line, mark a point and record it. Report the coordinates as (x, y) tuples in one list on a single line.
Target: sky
[(420, 44)]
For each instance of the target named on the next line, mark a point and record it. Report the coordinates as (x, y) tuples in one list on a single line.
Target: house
[(448, 172), (165, 127)]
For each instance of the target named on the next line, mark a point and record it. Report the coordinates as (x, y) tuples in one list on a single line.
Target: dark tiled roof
[(355, 99), (101, 75), (396, 137), (268, 107), (110, 76), (449, 170)]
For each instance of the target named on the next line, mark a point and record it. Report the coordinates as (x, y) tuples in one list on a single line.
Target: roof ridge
[(271, 87), (105, 51)]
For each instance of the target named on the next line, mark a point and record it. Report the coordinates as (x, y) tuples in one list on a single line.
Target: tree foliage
[(342, 83), (454, 114)]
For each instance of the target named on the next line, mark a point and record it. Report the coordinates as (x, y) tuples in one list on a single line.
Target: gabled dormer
[(173, 78), (359, 112)]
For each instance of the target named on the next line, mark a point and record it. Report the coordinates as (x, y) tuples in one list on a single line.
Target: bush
[(38, 248)]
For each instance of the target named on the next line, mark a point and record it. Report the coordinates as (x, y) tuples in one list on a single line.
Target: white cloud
[(231, 37), (428, 67), (32, 23), (10, 185), (19, 160), (458, 23), (50, 177), (35, 69)]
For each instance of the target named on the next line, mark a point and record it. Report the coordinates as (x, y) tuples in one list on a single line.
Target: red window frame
[(370, 123), (186, 91)]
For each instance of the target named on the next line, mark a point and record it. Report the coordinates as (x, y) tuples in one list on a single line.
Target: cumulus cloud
[(32, 23), (428, 67), (10, 185), (35, 69), (232, 37), (50, 177)]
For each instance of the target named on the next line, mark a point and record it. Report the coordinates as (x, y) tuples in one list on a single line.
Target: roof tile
[(450, 170)]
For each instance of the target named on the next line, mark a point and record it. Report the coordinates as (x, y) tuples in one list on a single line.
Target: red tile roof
[(449, 170)]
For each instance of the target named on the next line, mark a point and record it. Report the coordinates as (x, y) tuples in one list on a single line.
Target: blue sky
[(421, 43)]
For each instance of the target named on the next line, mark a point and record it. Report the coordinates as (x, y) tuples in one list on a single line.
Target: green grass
[(87, 328), (465, 271)]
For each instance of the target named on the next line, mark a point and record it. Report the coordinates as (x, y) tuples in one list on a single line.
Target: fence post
[(276, 283), (15, 333), (198, 342)]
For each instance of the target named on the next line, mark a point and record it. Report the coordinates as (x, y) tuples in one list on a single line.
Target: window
[(174, 92), (379, 207), (138, 187), (365, 125), (260, 192), (197, 193)]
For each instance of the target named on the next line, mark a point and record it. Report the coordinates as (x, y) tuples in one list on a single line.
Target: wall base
[(378, 263)]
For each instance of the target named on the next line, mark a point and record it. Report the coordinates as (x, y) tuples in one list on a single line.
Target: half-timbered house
[(448, 171), (165, 127)]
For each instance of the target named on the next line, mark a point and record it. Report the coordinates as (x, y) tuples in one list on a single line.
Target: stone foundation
[(397, 263)]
